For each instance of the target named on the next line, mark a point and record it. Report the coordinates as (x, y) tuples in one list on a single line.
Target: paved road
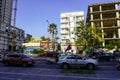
[(42, 71)]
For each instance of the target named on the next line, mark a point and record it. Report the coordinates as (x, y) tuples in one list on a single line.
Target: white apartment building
[(68, 21)]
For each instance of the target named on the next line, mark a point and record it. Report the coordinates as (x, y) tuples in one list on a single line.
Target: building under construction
[(107, 16), (11, 37)]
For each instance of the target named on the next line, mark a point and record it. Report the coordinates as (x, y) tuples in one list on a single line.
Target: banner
[(68, 47)]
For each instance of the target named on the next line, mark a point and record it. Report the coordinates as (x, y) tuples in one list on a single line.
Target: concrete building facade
[(6, 11), (107, 16), (68, 21), (11, 37)]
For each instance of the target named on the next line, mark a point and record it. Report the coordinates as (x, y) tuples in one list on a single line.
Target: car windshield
[(24, 56), (62, 56)]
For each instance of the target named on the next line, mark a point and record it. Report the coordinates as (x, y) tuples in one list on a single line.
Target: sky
[(32, 14)]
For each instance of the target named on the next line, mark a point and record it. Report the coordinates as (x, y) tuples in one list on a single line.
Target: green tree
[(118, 43), (94, 34), (37, 51), (113, 44), (21, 49), (52, 29), (42, 37), (81, 32), (57, 38), (88, 36)]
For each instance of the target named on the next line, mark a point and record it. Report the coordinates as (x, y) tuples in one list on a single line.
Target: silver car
[(76, 60)]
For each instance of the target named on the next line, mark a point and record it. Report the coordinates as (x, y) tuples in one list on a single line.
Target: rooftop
[(116, 2)]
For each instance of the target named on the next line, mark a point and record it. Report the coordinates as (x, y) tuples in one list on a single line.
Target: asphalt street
[(43, 71)]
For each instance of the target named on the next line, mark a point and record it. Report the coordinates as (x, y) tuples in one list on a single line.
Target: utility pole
[(13, 36)]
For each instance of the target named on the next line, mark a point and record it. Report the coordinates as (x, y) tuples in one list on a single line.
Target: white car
[(76, 60)]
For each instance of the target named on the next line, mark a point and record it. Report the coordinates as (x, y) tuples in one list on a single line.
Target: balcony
[(64, 37), (64, 32), (63, 20), (65, 26)]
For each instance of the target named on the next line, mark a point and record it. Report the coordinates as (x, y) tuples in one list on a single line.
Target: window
[(71, 57), (78, 57), (9, 55), (14, 56)]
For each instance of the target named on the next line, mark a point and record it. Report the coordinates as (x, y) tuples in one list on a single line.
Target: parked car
[(116, 53), (105, 57), (18, 59), (71, 60), (62, 55)]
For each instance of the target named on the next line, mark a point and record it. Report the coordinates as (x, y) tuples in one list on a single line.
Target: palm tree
[(88, 36), (95, 36), (52, 29), (80, 32)]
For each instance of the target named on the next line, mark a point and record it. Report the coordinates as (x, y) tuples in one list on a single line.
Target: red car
[(18, 59)]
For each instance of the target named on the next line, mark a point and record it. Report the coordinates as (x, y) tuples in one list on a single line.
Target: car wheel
[(65, 66), (91, 66), (24, 64)]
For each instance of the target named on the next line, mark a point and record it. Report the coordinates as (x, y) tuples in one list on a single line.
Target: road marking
[(63, 76)]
